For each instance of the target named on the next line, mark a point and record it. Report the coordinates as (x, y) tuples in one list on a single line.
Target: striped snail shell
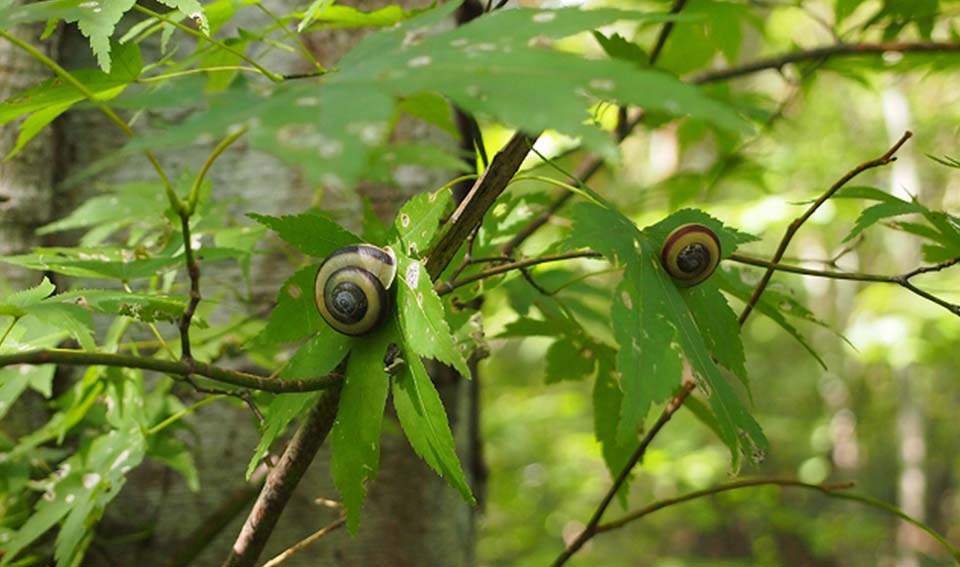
[(690, 254), (351, 288)]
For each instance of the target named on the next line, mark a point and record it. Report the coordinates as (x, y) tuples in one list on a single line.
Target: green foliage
[(635, 334)]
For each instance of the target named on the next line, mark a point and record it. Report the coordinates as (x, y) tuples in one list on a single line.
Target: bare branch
[(591, 529), (446, 287), (282, 481), (748, 483), (305, 542), (885, 159), (242, 379)]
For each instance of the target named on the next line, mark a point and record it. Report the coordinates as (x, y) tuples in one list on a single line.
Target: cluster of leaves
[(336, 127)]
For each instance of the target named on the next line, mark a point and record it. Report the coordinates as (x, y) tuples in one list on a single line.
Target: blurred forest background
[(884, 412)]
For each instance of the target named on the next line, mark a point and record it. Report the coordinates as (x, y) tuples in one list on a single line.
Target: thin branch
[(200, 35), (305, 542), (902, 280), (885, 159), (824, 52), (241, 379), (748, 483), (446, 287), (282, 481), (478, 201), (591, 529)]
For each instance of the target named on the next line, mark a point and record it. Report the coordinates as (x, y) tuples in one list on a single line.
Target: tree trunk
[(411, 516)]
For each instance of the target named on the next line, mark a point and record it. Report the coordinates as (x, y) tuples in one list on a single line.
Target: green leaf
[(193, 10), (296, 315), (422, 319), (656, 329), (568, 360), (607, 400), (36, 122), (719, 326), (310, 233), (484, 66), (175, 454), (342, 16), (875, 213), (355, 436), (319, 356), (730, 281), (139, 306), (109, 263), (419, 219), (617, 47), (316, 7), (71, 318), (25, 13), (424, 422), (432, 109), (31, 296)]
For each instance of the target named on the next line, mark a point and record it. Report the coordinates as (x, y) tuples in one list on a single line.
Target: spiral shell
[(351, 288), (690, 254)]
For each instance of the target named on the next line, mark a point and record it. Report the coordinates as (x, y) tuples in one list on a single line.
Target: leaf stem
[(185, 72), (183, 413), (305, 542), (175, 367), (200, 35), (9, 328), (446, 287), (293, 37), (592, 526), (219, 149), (794, 226)]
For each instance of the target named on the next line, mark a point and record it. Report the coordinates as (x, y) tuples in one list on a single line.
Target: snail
[(690, 254), (351, 288)]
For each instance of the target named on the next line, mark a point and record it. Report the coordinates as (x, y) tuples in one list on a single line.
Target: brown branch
[(591, 529), (902, 280), (187, 550), (885, 159), (305, 542), (446, 287), (749, 483), (478, 201), (242, 379), (824, 52), (282, 481)]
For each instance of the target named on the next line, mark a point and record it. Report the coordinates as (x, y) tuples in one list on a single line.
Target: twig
[(304, 543), (282, 481), (591, 529), (748, 483), (446, 287), (902, 280), (186, 550), (226, 376), (885, 159), (481, 197), (824, 52)]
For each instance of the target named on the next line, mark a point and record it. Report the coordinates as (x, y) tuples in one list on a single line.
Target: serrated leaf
[(31, 296), (484, 66), (875, 213), (719, 326), (142, 307), (125, 205), (618, 47), (296, 315), (109, 263), (315, 8), (343, 16), (424, 422), (193, 10), (311, 233), (422, 319), (607, 400), (418, 220), (656, 329), (355, 436), (71, 318), (319, 356), (432, 109), (175, 454), (765, 307)]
